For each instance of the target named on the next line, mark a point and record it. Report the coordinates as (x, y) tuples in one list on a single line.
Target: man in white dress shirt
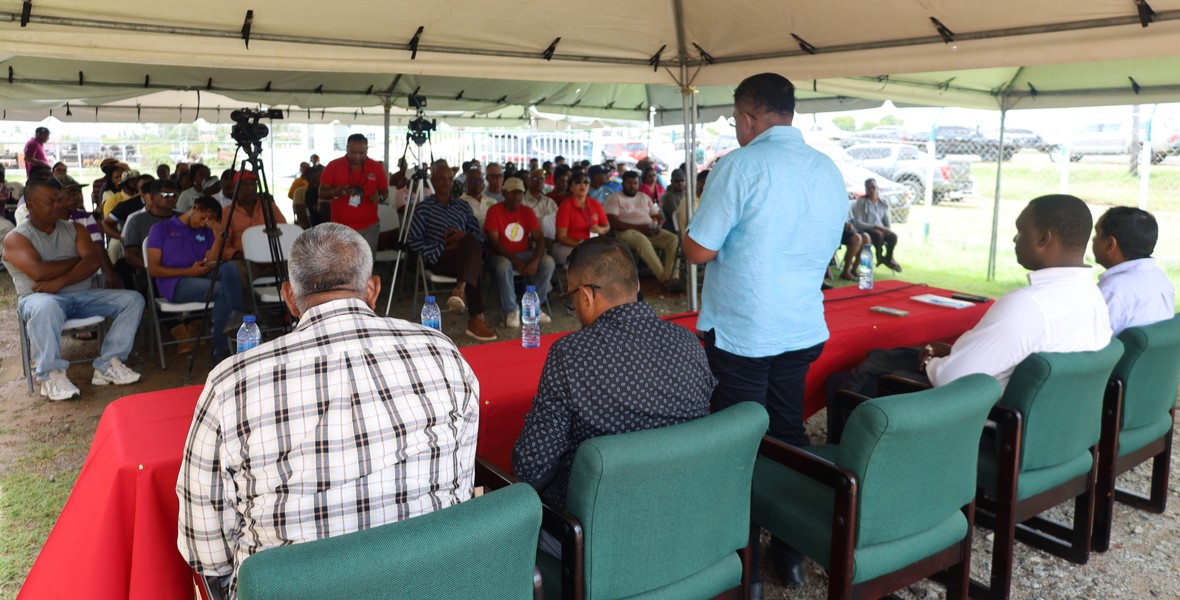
[(1137, 292), (1060, 311)]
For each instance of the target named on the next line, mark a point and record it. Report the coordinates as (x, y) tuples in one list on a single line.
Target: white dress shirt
[(1137, 293), (479, 206), (1060, 311)]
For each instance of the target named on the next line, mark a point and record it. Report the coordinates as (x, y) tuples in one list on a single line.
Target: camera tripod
[(417, 143), (248, 133)]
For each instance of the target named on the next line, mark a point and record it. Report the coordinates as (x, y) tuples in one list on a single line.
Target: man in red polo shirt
[(351, 187), (510, 227)]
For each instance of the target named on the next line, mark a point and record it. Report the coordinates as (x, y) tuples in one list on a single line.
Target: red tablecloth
[(116, 536)]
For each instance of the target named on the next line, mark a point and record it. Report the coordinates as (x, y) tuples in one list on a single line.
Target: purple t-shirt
[(180, 246)]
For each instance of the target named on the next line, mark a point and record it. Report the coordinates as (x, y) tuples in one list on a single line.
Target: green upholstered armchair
[(1041, 454), (1140, 427), (893, 501), (482, 548), (660, 513)]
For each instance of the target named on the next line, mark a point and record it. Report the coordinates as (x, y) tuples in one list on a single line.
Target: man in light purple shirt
[(1136, 291)]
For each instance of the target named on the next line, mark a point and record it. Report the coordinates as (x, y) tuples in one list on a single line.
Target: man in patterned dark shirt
[(626, 370), (348, 422)]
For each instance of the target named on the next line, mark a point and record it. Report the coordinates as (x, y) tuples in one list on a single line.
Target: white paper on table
[(943, 301)]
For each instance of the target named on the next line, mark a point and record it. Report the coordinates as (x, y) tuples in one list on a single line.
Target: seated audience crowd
[(379, 416)]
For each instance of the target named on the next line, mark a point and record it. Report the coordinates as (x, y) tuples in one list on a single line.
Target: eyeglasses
[(167, 194), (593, 287), (494, 175), (475, 179)]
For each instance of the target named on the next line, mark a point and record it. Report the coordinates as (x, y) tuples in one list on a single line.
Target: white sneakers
[(513, 319), (58, 387), (116, 373)]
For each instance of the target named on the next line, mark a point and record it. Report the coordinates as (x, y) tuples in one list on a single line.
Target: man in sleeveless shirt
[(53, 262)]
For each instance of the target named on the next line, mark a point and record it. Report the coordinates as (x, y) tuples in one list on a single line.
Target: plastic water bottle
[(866, 269), (248, 334), (431, 316), (530, 318)]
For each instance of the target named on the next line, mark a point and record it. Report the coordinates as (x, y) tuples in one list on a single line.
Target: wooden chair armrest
[(568, 529), (208, 586), (891, 384), (490, 476), (808, 464)]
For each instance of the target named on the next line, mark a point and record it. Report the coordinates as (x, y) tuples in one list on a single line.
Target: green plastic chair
[(660, 513), (1137, 421), (892, 503), (1043, 453), (482, 548)]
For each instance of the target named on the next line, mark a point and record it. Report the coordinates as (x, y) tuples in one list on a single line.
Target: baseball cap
[(245, 176), (597, 170), (513, 184)]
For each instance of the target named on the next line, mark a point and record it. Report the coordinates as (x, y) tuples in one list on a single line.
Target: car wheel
[(916, 187), (1075, 157), (939, 198), (1008, 153), (1158, 157)]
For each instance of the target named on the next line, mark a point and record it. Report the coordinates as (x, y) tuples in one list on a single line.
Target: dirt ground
[(47, 442)]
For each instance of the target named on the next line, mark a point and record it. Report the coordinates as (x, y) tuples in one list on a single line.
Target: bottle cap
[(530, 288), (249, 319), (429, 299)]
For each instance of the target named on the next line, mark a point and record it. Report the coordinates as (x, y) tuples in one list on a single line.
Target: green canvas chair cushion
[(913, 457), (667, 505), (1059, 395), (1131, 440), (1149, 369), (482, 548)]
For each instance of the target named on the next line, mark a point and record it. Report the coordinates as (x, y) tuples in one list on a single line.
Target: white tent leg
[(991, 257)]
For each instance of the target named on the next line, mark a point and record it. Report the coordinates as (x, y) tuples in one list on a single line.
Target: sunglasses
[(167, 194)]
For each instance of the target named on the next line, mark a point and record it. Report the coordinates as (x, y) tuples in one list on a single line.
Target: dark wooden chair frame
[(1111, 465), (567, 528), (952, 565), (1013, 520)]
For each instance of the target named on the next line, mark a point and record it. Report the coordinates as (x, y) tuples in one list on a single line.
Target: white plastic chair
[(256, 249)]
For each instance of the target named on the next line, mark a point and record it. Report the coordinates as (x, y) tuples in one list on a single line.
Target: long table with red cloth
[(116, 536)]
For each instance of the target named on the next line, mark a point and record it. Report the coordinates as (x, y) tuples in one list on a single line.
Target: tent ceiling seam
[(959, 37), (297, 39)]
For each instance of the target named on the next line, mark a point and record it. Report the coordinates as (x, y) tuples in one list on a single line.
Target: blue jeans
[(505, 283), (227, 297), (45, 314)]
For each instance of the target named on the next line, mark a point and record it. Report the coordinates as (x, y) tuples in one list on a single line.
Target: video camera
[(246, 127)]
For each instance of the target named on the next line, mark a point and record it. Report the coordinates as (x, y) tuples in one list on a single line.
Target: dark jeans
[(465, 263), (884, 244), (776, 382)]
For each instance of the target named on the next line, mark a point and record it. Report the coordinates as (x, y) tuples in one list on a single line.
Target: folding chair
[(256, 250), (163, 311), (389, 221), (72, 326)]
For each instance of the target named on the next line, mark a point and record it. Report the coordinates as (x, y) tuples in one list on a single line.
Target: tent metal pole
[(387, 103), (687, 102), (991, 256)]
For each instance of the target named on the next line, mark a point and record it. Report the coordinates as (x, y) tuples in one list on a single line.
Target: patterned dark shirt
[(628, 371), (349, 422)]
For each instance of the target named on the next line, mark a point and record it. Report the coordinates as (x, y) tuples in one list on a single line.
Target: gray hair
[(329, 257)]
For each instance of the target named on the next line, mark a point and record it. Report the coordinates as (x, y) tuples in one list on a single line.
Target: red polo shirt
[(370, 178)]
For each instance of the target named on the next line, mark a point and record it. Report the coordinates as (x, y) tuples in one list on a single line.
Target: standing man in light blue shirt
[(769, 221)]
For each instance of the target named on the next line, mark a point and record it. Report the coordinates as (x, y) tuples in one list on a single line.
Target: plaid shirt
[(349, 422)]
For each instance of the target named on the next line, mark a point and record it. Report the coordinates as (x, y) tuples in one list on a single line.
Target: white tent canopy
[(361, 54)]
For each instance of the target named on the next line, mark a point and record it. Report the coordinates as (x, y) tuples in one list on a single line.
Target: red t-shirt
[(514, 227), (371, 178), (578, 221)]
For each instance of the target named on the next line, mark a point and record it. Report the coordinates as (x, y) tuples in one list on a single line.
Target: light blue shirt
[(773, 210), (1137, 293)]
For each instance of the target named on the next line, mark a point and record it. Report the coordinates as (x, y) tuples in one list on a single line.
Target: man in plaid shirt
[(348, 422)]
